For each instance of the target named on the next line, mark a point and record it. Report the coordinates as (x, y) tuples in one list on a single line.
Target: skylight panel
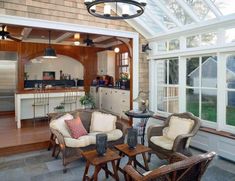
[(201, 9), (157, 12), (178, 11), (225, 6)]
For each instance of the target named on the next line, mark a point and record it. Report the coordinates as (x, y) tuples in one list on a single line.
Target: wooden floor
[(28, 138)]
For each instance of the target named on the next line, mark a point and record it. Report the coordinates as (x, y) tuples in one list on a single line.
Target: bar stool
[(40, 99), (70, 98)]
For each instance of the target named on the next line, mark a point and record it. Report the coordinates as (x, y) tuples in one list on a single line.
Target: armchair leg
[(149, 157)]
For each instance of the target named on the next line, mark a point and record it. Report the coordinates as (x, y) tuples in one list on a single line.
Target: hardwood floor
[(28, 138)]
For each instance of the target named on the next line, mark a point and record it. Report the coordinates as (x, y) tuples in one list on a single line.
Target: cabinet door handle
[(106, 93), (123, 101)]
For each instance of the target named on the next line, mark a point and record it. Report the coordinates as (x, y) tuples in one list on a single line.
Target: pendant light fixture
[(49, 52), (116, 49), (128, 9)]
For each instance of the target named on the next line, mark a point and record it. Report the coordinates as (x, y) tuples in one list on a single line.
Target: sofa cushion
[(82, 141), (76, 127), (111, 135), (179, 126), (89, 139), (101, 122), (163, 142), (59, 124), (85, 117)]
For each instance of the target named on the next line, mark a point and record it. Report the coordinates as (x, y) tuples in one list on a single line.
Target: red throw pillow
[(76, 128)]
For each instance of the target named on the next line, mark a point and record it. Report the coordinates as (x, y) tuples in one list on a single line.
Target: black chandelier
[(129, 8)]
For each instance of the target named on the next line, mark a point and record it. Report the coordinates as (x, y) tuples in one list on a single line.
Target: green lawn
[(209, 112)]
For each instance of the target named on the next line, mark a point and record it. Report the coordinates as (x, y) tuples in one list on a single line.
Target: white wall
[(67, 64)]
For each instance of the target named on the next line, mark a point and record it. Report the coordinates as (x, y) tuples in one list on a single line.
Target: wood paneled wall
[(27, 51)]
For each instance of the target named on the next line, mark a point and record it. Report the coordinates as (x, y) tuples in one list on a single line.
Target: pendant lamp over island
[(116, 9), (49, 52)]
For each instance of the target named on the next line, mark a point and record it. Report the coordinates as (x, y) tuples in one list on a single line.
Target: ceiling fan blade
[(13, 38)]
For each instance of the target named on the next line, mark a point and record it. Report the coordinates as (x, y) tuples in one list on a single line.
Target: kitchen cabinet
[(115, 101), (106, 63)]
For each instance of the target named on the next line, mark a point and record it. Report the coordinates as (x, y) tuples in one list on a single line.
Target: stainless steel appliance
[(8, 80)]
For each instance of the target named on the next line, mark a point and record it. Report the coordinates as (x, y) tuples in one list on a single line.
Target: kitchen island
[(24, 100)]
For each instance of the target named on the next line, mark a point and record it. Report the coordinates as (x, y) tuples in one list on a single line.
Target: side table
[(131, 154), (144, 116), (100, 162)]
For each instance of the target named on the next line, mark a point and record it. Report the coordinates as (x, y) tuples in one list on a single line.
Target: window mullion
[(167, 86), (200, 89)]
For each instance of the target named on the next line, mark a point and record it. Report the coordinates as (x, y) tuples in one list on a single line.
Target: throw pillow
[(59, 124), (101, 122), (76, 128), (179, 126)]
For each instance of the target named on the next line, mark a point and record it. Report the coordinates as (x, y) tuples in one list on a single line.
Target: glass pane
[(178, 11), (201, 9), (230, 35), (192, 101), (192, 66), (230, 71), (162, 46), (208, 39), (162, 99), (174, 44), (209, 72), (161, 72), (173, 71), (173, 100), (193, 41), (209, 105), (225, 6), (230, 109)]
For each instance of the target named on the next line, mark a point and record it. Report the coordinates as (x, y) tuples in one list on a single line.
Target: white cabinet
[(106, 63), (115, 101)]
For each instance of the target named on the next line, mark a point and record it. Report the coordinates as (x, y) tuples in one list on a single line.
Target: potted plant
[(124, 80), (87, 101), (59, 108)]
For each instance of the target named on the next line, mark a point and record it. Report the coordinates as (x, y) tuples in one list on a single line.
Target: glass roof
[(165, 15)]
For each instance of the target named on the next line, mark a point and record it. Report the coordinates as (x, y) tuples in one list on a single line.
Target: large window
[(201, 87), (230, 98), (167, 85)]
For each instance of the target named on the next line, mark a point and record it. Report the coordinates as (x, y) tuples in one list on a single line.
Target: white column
[(182, 84)]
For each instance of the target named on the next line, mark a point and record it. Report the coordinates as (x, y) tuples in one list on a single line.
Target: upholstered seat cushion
[(59, 124), (162, 141), (179, 126), (89, 139), (112, 135), (101, 122), (82, 141)]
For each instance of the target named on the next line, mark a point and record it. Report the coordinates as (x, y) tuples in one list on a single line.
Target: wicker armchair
[(181, 168), (70, 154), (180, 143)]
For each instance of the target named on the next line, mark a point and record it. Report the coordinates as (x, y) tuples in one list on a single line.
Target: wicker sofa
[(72, 151)]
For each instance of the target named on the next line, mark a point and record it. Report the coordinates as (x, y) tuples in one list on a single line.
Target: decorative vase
[(132, 135), (101, 144)]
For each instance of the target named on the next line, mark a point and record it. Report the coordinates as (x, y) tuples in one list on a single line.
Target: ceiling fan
[(88, 41), (5, 34)]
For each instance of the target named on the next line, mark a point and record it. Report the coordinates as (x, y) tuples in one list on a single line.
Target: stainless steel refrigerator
[(8, 80)]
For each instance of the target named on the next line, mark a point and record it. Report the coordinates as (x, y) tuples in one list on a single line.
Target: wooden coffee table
[(100, 162), (132, 153)]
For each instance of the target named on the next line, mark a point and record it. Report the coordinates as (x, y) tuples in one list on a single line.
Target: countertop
[(111, 87), (51, 90)]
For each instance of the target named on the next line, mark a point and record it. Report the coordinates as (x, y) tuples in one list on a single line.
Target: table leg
[(86, 171), (145, 161), (115, 171), (145, 120), (97, 170), (106, 170), (118, 162)]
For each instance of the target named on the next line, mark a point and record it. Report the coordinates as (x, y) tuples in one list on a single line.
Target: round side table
[(144, 116)]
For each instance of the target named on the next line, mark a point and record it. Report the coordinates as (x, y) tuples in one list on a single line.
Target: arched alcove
[(69, 66)]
